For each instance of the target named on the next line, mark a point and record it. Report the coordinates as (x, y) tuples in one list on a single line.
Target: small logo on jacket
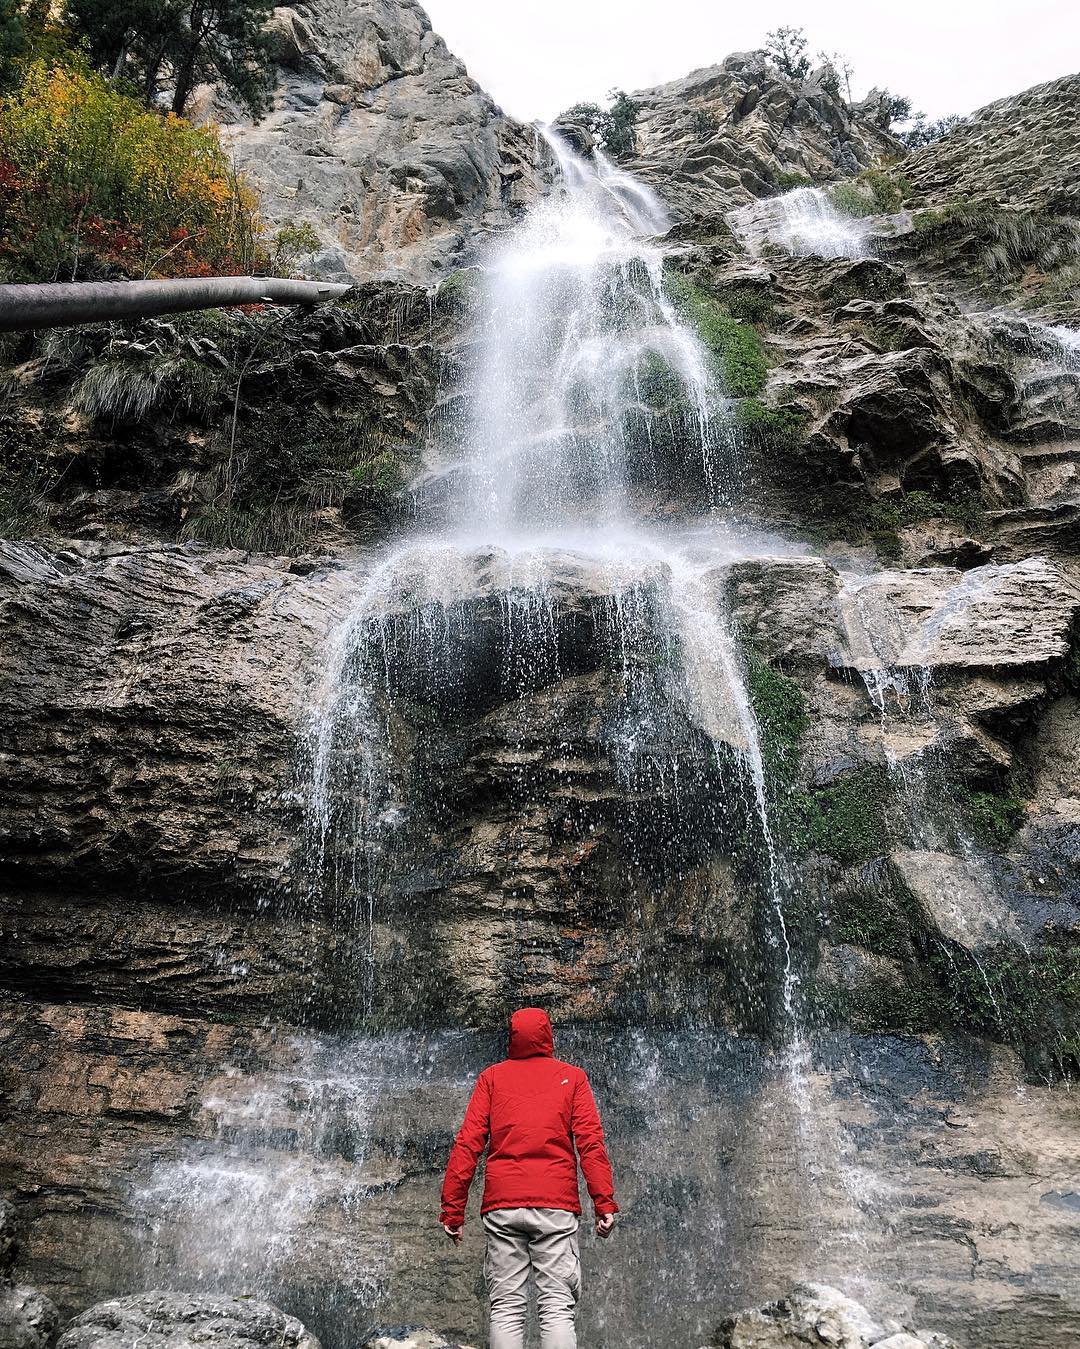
[(564, 1082)]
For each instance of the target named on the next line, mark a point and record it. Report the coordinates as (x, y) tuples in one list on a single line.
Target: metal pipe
[(58, 304)]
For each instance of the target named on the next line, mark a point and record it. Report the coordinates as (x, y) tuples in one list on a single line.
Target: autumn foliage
[(92, 184)]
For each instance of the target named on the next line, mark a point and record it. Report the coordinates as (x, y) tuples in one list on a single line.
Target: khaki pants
[(545, 1240)]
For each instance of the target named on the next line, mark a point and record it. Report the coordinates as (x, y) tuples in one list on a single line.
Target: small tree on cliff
[(613, 127), (923, 132), (786, 48)]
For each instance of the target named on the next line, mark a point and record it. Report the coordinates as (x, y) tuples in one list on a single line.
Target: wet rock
[(992, 617), (956, 898), (160, 1320), (411, 1337), (28, 1319), (789, 607), (8, 1236)]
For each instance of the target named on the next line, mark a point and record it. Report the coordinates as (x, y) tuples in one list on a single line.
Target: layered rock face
[(726, 133), (379, 139), (289, 831)]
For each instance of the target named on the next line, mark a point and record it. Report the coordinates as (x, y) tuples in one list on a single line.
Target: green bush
[(788, 181), (92, 184), (612, 127), (873, 192)]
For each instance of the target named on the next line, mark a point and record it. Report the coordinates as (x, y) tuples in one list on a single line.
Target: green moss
[(993, 817), (656, 383), (1030, 999), (846, 821), (778, 429), (461, 289), (879, 523), (751, 304), (779, 708), (874, 192), (869, 918), (737, 349)]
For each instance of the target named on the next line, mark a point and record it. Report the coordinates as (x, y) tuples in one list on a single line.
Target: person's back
[(537, 1117)]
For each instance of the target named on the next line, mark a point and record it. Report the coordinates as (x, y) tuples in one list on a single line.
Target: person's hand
[(454, 1233), (605, 1225)]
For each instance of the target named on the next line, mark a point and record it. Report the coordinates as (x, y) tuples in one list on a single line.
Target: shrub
[(788, 181), (291, 243), (613, 127), (704, 122), (873, 192), (921, 132), (128, 390), (94, 185)]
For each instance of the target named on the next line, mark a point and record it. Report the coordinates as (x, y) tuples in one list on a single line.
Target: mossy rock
[(736, 348)]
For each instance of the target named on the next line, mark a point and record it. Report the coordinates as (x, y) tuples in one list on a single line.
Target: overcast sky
[(536, 57)]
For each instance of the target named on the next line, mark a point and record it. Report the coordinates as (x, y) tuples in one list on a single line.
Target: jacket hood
[(530, 1034)]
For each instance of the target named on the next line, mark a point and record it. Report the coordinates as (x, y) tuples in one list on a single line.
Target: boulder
[(814, 1314), (161, 1320), (28, 1319)]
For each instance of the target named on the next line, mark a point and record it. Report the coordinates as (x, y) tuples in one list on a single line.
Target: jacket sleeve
[(468, 1147), (592, 1154)]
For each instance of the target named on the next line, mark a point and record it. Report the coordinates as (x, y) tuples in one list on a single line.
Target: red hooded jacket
[(532, 1111)]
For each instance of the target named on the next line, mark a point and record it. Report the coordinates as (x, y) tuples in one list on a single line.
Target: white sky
[(536, 57)]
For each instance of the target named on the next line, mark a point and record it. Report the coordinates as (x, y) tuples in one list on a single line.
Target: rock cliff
[(734, 131), (241, 1003), (379, 139)]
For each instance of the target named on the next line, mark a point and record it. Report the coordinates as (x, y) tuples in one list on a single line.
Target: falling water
[(803, 222), (538, 564)]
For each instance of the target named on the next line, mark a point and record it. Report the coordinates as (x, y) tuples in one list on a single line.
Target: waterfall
[(802, 222), (575, 329), (584, 385)]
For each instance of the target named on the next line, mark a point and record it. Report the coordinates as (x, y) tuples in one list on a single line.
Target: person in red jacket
[(531, 1111)]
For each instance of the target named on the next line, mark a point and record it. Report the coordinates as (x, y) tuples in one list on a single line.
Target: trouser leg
[(553, 1250), (506, 1266)]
